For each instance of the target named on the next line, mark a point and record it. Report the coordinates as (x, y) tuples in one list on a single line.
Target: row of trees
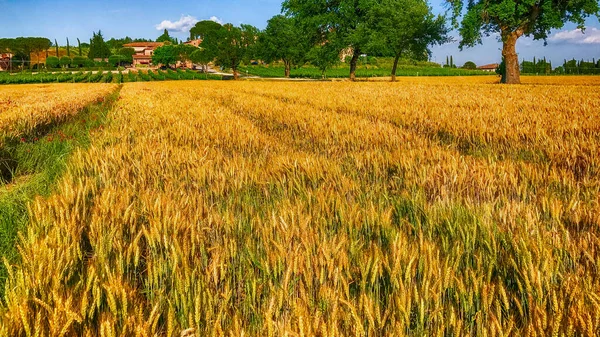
[(398, 28), (319, 32)]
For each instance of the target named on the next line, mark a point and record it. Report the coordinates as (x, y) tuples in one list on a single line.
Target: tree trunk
[(287, 68), (236, 75), (512, 73), (394, 67), (353, 62)]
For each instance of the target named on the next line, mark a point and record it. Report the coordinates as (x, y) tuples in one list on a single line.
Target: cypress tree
[(91, 50), (447, 63), (451, 62), (56, 44), (79, 46), (68, 48)]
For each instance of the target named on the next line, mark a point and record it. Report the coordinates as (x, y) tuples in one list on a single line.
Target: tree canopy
[(165, 55), (513, 19), (325, 20), (165, 37), (231, 45), (23, 47), (202, 28), (98, 47), (283, 40), (405, 28)]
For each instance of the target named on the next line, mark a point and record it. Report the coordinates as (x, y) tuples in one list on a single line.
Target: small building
[(143, 51), (196, 43), (489, 67), (5, 61)]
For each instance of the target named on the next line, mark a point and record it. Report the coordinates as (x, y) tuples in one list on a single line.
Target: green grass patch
[(33, 164), (341, 71)]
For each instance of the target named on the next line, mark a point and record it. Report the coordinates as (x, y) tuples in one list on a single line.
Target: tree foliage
[(343, 20), (65, 61), (283, 40), (165, 37), (469, 65), (98, 47), (513, 19), (202, 28), (166, 55), (231, 45), (52, 62), (405, 28)]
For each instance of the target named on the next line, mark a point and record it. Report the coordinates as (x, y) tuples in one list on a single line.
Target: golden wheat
[(423, 207)]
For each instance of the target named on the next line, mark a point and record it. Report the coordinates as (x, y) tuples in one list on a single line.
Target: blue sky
[(60, 19)]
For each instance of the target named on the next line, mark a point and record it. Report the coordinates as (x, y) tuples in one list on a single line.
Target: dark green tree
[(513, 19), (68, 49), (324, 56), (56, 45), (52, 62), (98, 47), (283, 40), (165, 37), (469, 65), (202, 28), (65, 61), (79, 46), (127, 54), (324, 20), (202, 57), (405, 28), (78, 61), (166, 55), (231, 45)]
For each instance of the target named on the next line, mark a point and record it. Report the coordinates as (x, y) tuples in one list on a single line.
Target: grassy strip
[(38, 161), (362, 71)]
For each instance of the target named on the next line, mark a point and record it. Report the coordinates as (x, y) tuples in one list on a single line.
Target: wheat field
[(25, 108), (428, 207)]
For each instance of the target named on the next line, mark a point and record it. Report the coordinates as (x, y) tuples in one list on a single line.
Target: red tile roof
[(489, 66), (144, 44)]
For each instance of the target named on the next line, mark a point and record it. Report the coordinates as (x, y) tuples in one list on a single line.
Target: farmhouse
[(489, 67), (143, 51), (5, 61)]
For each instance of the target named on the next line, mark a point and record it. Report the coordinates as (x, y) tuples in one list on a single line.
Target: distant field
[(429, 207), (104, 77)]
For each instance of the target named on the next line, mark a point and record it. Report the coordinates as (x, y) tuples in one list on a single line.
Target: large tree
[(346, 20), (231, 45), (405, 28), (283, 40), (23, 47), (202, 28), (515, 18)]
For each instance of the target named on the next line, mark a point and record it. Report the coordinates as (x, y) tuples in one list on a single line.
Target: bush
[(52, 62), (469, 65), (79, 61), (115, 60), (65, 61), (89, 63)]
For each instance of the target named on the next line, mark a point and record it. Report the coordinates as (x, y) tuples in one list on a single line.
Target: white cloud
[(184, 24), (591, 35), (216, 19)]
